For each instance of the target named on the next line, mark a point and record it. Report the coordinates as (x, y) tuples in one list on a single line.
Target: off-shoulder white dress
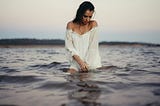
[(85, 46)]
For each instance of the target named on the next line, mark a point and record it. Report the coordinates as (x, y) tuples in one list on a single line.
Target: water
[(37, 77)]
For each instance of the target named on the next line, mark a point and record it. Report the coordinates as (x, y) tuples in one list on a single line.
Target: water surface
[(37, 77)]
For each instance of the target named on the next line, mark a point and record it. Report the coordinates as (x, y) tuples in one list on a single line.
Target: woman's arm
[(92, 55), (83, 65), (74, 54)]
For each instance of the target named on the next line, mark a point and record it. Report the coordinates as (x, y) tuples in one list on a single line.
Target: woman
[(81, 41)]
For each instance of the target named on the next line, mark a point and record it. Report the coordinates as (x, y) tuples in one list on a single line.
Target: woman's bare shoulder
[(94, 23), (70, 25)]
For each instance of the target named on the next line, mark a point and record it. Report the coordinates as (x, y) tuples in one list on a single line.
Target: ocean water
[(38, 77)]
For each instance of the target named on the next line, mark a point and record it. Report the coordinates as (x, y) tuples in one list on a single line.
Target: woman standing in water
[(81, 41)]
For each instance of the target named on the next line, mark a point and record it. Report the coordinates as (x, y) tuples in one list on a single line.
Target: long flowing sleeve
[(92, 55), (69, 46)]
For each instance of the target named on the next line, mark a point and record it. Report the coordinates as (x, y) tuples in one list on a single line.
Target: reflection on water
[(86, 92), (38, 77)]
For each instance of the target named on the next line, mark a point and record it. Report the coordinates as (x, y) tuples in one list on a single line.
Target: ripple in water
[(18, 79)]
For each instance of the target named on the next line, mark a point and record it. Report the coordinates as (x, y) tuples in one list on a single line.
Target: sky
[(118, 20)]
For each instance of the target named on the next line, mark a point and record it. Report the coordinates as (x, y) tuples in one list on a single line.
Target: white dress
[(85, 46)]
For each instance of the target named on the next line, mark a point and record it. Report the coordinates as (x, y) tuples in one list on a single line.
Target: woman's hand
[(83, 65)]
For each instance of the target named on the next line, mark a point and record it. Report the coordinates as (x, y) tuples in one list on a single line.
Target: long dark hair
[(86, 5)]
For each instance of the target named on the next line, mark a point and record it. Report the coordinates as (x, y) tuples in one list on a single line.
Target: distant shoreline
[(30, 43), (30, 46)]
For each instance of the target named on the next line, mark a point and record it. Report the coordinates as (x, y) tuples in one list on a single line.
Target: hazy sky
[(119, 20)]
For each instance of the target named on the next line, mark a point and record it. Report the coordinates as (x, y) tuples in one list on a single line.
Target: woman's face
[(87, 16)]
